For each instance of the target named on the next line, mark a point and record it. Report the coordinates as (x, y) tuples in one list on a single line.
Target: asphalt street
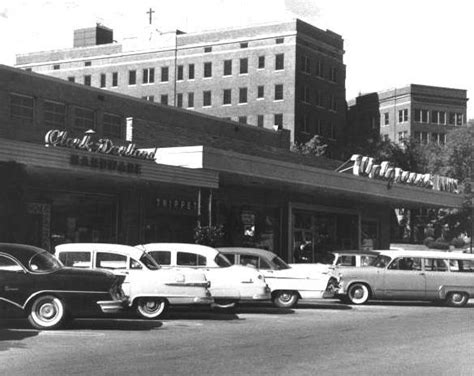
[(321, 338)]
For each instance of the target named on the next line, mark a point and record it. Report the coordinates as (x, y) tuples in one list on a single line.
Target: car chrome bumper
[(112, 306)]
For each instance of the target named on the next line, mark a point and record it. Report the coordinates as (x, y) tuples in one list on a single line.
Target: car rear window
[(190, 259), (461, 266), (161, 257), (76, 259), (110, 261)]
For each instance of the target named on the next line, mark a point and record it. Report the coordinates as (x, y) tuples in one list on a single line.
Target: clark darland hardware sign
[(365, 166), (99, 150)]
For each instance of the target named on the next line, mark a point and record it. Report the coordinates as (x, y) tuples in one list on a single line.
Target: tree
[(314, 147)]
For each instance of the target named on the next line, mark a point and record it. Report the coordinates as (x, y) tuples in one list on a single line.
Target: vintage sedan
[(150, 288), (34, 283), (288, 283), (411, 275), (230, 284)]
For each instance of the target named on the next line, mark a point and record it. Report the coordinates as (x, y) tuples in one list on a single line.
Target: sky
[(388, 43)]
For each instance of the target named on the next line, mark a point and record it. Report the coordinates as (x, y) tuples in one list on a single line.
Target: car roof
[(248, 251), (22, 252), (126, 250), (190, 247), (434, 254), (356, 252)]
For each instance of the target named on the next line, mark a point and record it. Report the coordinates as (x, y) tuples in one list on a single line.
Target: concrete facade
[(287, 75)]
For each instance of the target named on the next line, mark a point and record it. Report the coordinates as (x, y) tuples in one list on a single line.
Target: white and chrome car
[(150, 288), (229, 283), (288, 282)]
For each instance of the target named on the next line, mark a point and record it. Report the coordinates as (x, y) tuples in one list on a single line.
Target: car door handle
[(422, 273)]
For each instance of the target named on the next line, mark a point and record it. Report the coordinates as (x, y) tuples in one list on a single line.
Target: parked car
[(34, 283), (351, 258), (230, 284), (288, 283), (411, 275), (150, 288)]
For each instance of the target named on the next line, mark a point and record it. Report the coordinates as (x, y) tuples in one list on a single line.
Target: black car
[(35, 284)]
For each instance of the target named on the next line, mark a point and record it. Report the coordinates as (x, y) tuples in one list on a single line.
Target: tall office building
[(287, 75), (421, 112)]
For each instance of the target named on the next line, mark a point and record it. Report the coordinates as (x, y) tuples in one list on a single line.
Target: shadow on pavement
[(114, 324)]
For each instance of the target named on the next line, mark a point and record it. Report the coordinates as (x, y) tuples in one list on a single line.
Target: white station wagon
[(411, 275), (149, 287), (229, 283), (288, 283)]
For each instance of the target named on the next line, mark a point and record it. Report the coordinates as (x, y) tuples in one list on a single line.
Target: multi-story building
[(421, 112), (284, 75)]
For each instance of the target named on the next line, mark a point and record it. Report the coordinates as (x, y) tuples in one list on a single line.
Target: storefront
[(299, 211), (66, 196)]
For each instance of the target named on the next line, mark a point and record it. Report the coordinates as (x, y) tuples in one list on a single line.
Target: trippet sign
[(366, 166)]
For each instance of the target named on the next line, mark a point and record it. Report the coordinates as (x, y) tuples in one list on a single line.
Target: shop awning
[(251, 170), (67, 161)]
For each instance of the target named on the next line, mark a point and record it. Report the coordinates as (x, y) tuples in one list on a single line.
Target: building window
[(318, 127), (148, 75), (243, 95), (180, 73), (305, 94), (442, 139), (87, 80), (333, 74), (227, 97), (424, 138), (332, 131), (260, 120), (386, 118), (279, 61), (132, 77), (87, 63), (103, 80), (438, 117), (206, 98), (191, 71), (56, 66), (179, 100), (278, 92), (332, 103), (208, 69), (317, 97), (244, 65), (112, 125), (164, 74), (455, 118), (207, 49), (150, 98), (278, 121), (244, 45), (190, 100), (421, 116), (71, 79), (279, 40), (243, 119), (84, 119), (114, 79), (164, 99), (305, 123), (319, 68), (305, 64), (403, 115), (55, 114), (260, 92), (261, 62), (227, 67)]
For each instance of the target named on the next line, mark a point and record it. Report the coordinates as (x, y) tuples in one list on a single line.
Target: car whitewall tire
[(47, 312), (457, 299), (358, 293), (285, 299), (151, 308)]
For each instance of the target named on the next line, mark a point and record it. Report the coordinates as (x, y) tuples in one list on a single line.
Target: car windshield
[(279, 263), (149, 261), (381, 261), (222, 261), (44, 262)]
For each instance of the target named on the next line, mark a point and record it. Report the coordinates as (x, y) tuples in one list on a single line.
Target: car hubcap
[(48, 311), (358, 293), (457, 298), (285, 297)]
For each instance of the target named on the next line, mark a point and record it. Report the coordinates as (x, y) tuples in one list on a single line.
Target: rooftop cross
[(150, 13)]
